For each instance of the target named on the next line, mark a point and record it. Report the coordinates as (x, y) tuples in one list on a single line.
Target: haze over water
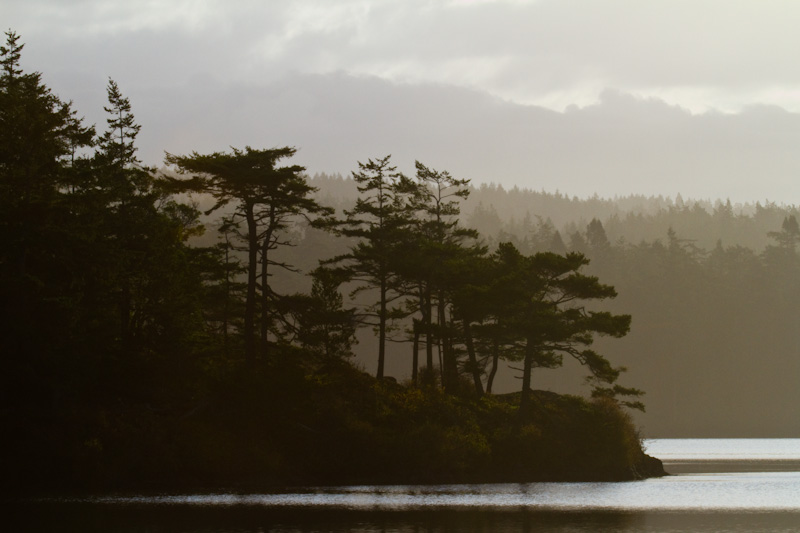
[(717, 484)]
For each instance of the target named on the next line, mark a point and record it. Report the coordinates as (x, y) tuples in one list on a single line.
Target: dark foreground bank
[(279, 427)]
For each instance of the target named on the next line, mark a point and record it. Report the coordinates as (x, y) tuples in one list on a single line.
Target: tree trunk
[(473, 360), (427, 312), (415, 354), (441, 366), (450, 376), (265, 317), (125, 313), (227, 304), (250, 301), (424, 328), (382, 329), (495, 360), (525, 398)]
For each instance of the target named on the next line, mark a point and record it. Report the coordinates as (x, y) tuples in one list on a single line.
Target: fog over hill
[(618, 147)]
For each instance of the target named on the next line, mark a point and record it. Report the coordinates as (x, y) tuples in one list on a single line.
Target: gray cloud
[(619, 146), (435, 81), (707, 53)]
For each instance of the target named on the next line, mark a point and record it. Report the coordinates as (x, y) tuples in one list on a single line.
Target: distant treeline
[(712, 288), (499, 213)]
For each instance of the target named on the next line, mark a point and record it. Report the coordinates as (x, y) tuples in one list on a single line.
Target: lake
[(717, 485)]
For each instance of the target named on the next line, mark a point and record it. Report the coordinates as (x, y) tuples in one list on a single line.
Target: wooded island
[(136, 358)]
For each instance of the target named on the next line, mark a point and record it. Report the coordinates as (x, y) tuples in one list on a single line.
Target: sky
[(610, 97)]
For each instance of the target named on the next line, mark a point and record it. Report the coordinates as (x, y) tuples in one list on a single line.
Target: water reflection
[(133, 518), (698, 502), (752, 498), (745, 491)]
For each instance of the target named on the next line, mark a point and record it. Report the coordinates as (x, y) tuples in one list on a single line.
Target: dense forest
[(149, 341), (712, 288), (713, 291)]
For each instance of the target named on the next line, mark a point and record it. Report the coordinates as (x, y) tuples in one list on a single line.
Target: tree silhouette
[(545, 297), (38, 132), (440, 242), (377, 222), (268, 199)]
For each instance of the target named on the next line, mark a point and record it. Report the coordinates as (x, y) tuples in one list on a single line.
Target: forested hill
[(712, 288)]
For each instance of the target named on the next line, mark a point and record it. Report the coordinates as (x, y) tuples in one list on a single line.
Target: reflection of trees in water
[(94, 518)]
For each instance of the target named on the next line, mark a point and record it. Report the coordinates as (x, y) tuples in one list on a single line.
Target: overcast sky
[(611, 97)]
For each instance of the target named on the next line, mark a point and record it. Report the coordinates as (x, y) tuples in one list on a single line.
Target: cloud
[(443, 81), (619, 146), (701, 54)]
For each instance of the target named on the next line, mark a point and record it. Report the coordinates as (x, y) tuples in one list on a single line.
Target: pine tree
[(38, 132), (267, 201), (378, 222), (324, 327), (543, 307), (116, 153), (441, 241)]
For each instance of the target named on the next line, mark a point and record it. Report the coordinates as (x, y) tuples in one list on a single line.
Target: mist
[(358, 264), (620, 146)]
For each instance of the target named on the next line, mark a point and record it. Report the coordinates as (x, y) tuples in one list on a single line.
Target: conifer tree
[(544, 308), (377, 221), (441, 241), (324, 327), (267, 199), (38, 132), (125, 191)]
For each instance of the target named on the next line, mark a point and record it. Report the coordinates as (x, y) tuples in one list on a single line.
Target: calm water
[(717, 485)]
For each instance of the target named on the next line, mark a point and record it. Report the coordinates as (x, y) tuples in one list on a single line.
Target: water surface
[(726, 455), (719, 485)]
